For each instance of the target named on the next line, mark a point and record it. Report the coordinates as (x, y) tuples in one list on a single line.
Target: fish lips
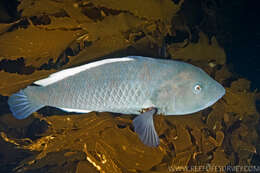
[(219, 92)]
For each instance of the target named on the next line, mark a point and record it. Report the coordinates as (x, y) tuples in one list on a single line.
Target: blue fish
[(125, 85)]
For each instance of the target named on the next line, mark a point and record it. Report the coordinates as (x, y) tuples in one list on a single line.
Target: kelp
[(25, 43), (127, 23), (204, 50), (83, 31), (92, 135), (6, 26), (34, 7), (149, 9), (13, 82)]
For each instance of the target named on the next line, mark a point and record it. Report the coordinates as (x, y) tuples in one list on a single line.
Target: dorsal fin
[(72, 71)]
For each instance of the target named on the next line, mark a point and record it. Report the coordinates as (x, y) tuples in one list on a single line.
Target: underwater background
[(39, 37)]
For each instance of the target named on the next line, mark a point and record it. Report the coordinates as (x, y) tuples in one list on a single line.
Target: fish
[(126, 85)]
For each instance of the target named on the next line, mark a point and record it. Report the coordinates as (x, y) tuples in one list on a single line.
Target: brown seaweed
[(50, 31)]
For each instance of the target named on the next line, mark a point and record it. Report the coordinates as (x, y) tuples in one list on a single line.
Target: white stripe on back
[(55, 77)]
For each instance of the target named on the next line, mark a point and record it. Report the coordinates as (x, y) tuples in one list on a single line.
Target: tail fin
[(21, 106)]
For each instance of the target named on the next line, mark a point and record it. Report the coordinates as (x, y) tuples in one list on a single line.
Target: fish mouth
[(221, 90)]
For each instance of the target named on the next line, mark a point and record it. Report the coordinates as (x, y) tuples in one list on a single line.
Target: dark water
[(244, 48)]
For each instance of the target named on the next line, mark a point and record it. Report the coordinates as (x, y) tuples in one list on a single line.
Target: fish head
[(193, 90)]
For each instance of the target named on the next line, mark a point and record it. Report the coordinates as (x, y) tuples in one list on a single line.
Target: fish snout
[(217, 92), (221, 90)]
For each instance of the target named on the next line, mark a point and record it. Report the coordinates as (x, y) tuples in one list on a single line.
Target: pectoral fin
[(144, 127)]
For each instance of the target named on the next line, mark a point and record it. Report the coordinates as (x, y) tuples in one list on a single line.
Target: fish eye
[(197, 89)]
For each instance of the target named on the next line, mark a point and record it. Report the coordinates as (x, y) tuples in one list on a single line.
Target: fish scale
[(101, 93), (121, 96)]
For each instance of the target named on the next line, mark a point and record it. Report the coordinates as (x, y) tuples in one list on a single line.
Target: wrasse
[(123, 85)]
